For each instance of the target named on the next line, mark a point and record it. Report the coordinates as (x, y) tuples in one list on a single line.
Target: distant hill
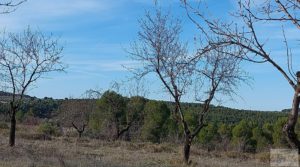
[(287, 110), (45, 107), (233, 116), (221, 114), (5, 93), (6, 96)]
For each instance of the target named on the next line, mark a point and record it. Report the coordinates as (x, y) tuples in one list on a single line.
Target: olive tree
[(24, 59), (160, 51)]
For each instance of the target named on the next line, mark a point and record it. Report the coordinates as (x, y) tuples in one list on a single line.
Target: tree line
[(115, 117)]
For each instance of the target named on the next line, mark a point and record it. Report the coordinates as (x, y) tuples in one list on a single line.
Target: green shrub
[(49, 129), (156, 114), (110, 114), (279, 137), (241, 136), (262, 141)]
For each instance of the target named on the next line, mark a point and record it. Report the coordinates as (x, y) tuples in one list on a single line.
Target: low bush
[(49, 129)]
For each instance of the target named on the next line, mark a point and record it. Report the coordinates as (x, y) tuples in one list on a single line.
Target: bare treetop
[(160, 51), (245, 37), (275, 10), (219, 73), (26, 57), (9, 6)]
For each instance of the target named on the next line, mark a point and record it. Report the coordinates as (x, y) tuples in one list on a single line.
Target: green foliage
[(156, 114), (241, 136), (151, 121), (95, 121), (49, 129), (268, 131), (279, 138), (208, 134), (44, 108), (224, 131), (134, 118), (112, 104), (173, 130), (134, 108), (191, 116), (234, 116), (39, 108), (261, 140), (241, 130), (110, 115)]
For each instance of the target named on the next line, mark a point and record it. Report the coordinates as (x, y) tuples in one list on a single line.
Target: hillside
[(217, 114), (5, 96), (47, 107), (227, 115)]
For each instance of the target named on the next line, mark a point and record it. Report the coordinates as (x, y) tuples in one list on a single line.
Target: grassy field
[(32, 151)]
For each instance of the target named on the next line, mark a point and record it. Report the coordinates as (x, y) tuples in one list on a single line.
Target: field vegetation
[(150, 137)]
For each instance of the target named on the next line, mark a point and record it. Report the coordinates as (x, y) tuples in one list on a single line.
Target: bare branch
[(251, 46), (10, 6)]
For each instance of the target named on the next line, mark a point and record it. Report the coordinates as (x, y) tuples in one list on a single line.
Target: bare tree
[(253, 45), (131, 86), (75, 113), (160, 51), (10, 6), (25, 58), (92, 94)]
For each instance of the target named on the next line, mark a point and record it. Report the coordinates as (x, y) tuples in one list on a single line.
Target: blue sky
[(96, 33)]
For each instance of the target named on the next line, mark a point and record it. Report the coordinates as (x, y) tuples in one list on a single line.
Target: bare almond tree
[(75, 113), (160, 51), (246, 37), (25, 58)]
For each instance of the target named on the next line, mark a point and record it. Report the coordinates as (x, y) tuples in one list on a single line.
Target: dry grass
[(67, 152)]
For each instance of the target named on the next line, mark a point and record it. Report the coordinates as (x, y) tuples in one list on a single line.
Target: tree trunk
[(80, 131), (186, 149), (289, 127), (120, 133), (12, 134)]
